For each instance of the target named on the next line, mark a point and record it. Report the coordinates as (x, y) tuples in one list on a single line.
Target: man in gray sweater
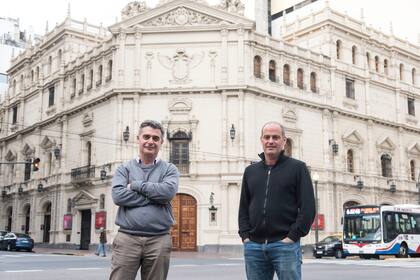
[(143, 189)]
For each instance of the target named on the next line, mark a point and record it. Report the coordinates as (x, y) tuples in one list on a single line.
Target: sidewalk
[(58, 251)]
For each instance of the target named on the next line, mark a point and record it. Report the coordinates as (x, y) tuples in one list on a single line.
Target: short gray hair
[(276, 123), (152, 124)]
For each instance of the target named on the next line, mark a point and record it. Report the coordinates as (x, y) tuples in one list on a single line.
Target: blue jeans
[(101, 250), (262, 260)]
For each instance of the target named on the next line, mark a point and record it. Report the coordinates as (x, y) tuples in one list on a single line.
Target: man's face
[(272, 140), (150, 141)]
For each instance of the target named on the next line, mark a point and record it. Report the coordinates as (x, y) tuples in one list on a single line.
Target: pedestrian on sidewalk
[(277, 208), (100, 250), (143, 189)]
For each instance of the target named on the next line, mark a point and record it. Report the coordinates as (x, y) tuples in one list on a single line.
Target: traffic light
[(35, 164)]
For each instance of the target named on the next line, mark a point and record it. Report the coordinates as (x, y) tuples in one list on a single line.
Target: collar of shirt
[(142, 164)]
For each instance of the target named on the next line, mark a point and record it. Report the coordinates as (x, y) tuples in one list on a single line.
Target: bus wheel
[(339, 254), (403, 253)]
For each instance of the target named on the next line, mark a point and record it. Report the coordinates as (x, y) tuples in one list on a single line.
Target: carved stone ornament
[(181, 64), (181, 16), (163, 2), (132, 9), (233, 6)]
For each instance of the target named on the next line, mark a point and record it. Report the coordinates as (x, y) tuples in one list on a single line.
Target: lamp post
[(418, 186), (315, 178)]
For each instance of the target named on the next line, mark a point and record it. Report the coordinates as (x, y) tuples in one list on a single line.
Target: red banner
[(67, 222), (100, 219), (321, 222)]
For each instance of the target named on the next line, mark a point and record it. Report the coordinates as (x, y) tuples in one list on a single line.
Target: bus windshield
[(362, 228)]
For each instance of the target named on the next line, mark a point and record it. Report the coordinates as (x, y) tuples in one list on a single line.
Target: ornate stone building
[(346, 94)]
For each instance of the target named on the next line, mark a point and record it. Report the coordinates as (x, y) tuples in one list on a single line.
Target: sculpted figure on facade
[(181, 64), (233, 6), (132, 9)]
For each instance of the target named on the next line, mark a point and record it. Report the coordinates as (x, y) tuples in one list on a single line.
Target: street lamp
[(315, 178), (126, 134), (232, 133)]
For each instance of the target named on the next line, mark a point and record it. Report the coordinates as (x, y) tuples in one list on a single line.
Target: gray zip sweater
[(145, 208)]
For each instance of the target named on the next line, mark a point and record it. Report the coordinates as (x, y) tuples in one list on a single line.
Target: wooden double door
[(184, 232)]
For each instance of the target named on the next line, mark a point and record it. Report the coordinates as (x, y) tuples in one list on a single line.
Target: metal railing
[(82, 173)]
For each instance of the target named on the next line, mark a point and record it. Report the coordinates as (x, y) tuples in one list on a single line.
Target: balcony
[(83, 174)]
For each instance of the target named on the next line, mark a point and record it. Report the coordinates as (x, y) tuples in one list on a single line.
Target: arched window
[(386, 165), (90, 79), (377, 63), (179, 151), (82, 83), (288, 147), (49, 163), (412, 170), (69, 205), (257, 66), (60, 58), (350, 161), (32, 75), (272, 71), (354, 54), (74, 86), (100, 72), (14, 87), (401, 71), (286, 74), (368, 60), (350, 203), (413, 76), (37, 73), (109, 76), (313, 82), (386, 66), (21, 83), (89, 153), (300, 78), (49, 65), (338, 47), (102, 202)]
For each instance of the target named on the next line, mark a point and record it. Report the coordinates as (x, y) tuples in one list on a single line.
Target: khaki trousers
[(151, 254)]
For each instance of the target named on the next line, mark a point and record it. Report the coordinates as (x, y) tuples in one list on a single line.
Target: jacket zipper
[(265, 199)]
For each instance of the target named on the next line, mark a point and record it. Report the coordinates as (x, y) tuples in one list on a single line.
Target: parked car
[(16, 241), (331, 246), (2, 234)]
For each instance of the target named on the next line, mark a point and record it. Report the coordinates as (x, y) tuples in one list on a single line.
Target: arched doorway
[(184, 232), (27, 213), (47, 223), (9, 212)]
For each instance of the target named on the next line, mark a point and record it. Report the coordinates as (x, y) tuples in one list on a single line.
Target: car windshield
[(329, 239), (21, 235), (362, 227)]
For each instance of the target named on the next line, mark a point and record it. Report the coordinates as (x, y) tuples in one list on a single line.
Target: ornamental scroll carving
[(181, 16), (132, 9), (233, 6)]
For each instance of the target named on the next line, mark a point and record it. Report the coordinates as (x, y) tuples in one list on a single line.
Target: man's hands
[(287, 240)]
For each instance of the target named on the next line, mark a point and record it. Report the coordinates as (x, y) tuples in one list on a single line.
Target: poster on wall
[(68, 221), (100, 219), (321, 222)]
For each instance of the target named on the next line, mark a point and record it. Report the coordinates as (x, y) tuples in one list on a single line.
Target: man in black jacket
[(277, 208)]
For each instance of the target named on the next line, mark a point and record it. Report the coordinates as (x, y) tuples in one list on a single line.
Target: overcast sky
[(378, 13)]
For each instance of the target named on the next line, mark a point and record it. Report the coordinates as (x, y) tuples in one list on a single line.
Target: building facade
[(76, 99)]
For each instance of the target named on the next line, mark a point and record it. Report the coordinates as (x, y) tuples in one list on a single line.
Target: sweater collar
[(282, 158)]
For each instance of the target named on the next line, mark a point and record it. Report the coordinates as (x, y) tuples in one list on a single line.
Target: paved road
[(32, 266)]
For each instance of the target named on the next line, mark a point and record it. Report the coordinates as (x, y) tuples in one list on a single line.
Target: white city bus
[(370, 231)]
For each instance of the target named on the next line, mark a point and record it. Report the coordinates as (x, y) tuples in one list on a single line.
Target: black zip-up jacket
[(276, 201)]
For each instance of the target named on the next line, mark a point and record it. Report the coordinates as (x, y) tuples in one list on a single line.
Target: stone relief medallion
[(181, 16), (181, 64)]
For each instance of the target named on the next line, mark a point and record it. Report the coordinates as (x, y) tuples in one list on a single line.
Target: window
[(49, 65), (368, 60), (102, 201), (257, 66), (21, 81), (300, 78), (69, 205), (179, 153), (37, 73), (286, 74), (350, 88), (89, 153), (82, 83), (28, 165), (109, 76), (99, 81), (51, 93), (401, 71), (313, 82), (412, 170), (14, 114), (386, 66), (411, 107), (288, 147), (350, 161), (90, 79), (60, 58), (377, 63), (386, 164), (338, 47), (49, 163), (413, 76), (272, 71), (32, 75), (73, 91), (354, 55)]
